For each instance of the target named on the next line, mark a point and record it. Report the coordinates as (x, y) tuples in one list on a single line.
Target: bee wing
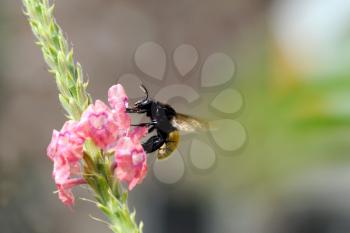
[(189, 124)]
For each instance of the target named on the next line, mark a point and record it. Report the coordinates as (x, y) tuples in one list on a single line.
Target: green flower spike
[(110, 198)]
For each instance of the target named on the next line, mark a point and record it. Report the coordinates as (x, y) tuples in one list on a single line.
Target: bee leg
[(142, 124), (153, 143), (135, 110), (130, 110), (150, 129), (152, 124)]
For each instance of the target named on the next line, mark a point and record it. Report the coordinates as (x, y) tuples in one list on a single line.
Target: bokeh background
[(292, 66)]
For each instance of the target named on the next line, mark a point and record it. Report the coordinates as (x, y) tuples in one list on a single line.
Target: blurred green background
[(292, 67)]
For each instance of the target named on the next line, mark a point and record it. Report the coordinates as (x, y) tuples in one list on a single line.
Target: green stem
[(109, 199), (75, 99), (117, 211)]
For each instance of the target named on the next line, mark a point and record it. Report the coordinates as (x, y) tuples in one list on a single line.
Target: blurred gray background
[(292, 67)]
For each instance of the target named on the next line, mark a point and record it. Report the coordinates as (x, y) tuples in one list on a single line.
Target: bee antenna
[(144, 89)]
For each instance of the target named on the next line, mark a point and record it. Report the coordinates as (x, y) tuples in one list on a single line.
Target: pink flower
[(104, 125), (118, 100), (65, 190), (65, 195), (66, 151), (117, 97), (109, 129), (67, 143), (61, 169), (99, 124), (130, 158)]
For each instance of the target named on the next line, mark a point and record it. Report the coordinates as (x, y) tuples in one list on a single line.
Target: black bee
[(167, 123)]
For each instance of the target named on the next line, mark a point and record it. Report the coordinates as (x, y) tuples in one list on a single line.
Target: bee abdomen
[(169, 146)]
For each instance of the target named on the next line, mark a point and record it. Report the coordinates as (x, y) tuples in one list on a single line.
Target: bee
[(166, 122)]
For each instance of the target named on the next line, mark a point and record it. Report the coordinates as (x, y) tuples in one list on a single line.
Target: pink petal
[(52, 148), (131, 160), (61, 170), (66, 151), (138, 133), (98, 123), (65, 195), (117, 97), (139, 178)]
